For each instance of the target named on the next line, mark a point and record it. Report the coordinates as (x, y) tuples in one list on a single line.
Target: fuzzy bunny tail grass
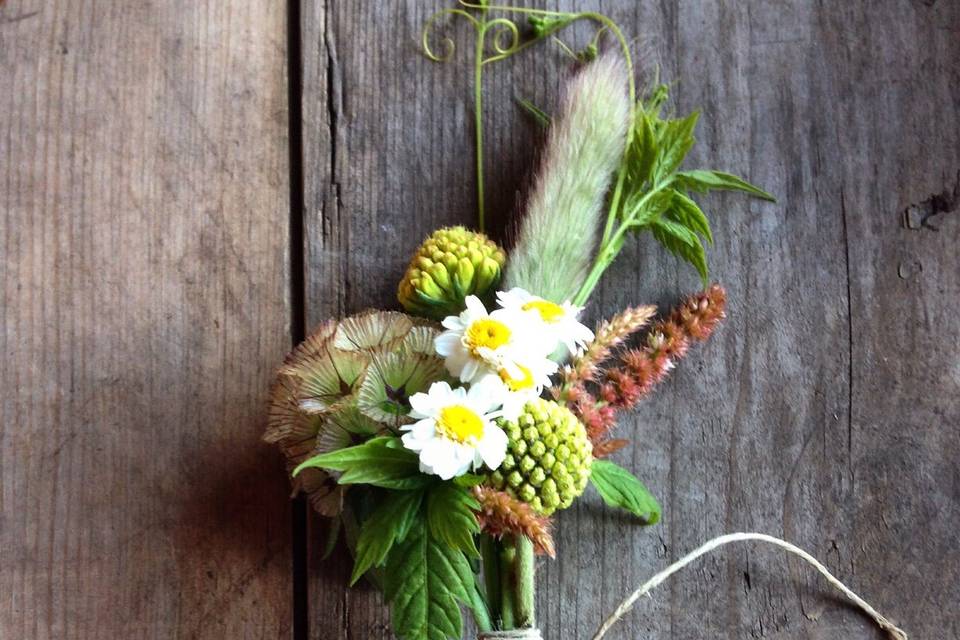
[(564, 212)]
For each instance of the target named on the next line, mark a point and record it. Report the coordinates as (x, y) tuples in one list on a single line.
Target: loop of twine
[(513, 634), (895, 632)]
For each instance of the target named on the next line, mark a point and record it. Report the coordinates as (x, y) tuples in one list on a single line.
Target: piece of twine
[(895, 632), (513, 634)]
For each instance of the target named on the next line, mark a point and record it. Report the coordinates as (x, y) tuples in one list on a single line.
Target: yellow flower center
[(549, 311), (488, 333), (459, 423), (522, 383)]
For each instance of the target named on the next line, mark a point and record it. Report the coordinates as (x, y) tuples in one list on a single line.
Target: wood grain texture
[(145, 302), (824, 411)]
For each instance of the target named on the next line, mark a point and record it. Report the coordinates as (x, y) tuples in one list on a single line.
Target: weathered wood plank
[(825, 411), (144, 269)]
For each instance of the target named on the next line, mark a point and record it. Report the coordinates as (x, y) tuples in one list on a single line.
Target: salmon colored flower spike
[(500, 515), (640, 369)]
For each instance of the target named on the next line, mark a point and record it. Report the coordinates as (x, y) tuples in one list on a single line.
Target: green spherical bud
[(527, 464), (527, 493), (549, 457), (450, 265)]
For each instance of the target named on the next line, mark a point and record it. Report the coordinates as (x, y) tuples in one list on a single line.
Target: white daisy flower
[(515, 390), (477, 343), (455, 432), (558, 320)]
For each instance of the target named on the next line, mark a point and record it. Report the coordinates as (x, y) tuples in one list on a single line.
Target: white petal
[(410, 441), (453, 323), (513, 405), (474, 306), (513, 299), (454, 461), (493, 446), (424, 430), (422, 405), (440, 391), (456, 361), (470, 370), (447, 342), (485, 393)]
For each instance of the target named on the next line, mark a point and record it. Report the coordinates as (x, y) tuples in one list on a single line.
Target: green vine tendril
[(506, 41)]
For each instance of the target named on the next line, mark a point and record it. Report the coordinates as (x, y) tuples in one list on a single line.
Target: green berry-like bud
[(450, 265), (546, 471)]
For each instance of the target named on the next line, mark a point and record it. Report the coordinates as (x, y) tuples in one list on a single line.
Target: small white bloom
[(559, 320), (455, 432), (477, 343), (514, 391)]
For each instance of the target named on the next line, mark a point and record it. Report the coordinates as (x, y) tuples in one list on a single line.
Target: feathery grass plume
[(641, 369), (500, 514), (558, 234), (608, 336)]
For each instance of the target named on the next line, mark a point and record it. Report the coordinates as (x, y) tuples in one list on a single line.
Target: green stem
[(478, 119), (481, 615), (526, 586), (490, 554), (508, 555), (482, 26)]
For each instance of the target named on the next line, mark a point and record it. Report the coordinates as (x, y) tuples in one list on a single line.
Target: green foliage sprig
[(423, 531), (654, 194), (380, 462)]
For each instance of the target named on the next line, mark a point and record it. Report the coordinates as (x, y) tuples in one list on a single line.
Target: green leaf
[(540, 116), (682, 242), (647, 209), (686, 212), (703, 180), (450, 515), (381, 462), (675, 141), (619, 488), (641, 154), (468, 480), (387, 525), (426, 580)]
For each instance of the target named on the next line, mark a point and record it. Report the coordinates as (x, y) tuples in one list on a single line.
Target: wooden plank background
[(147, 243), (145, 303)]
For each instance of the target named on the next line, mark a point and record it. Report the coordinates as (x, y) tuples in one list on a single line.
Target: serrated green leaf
[(686, 212), (450, 515), (619, 488), (387, 525), (675, 141), (641, 153), (703, 180), (381, 462), (648, 209), (682, 242), (426, 580)]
